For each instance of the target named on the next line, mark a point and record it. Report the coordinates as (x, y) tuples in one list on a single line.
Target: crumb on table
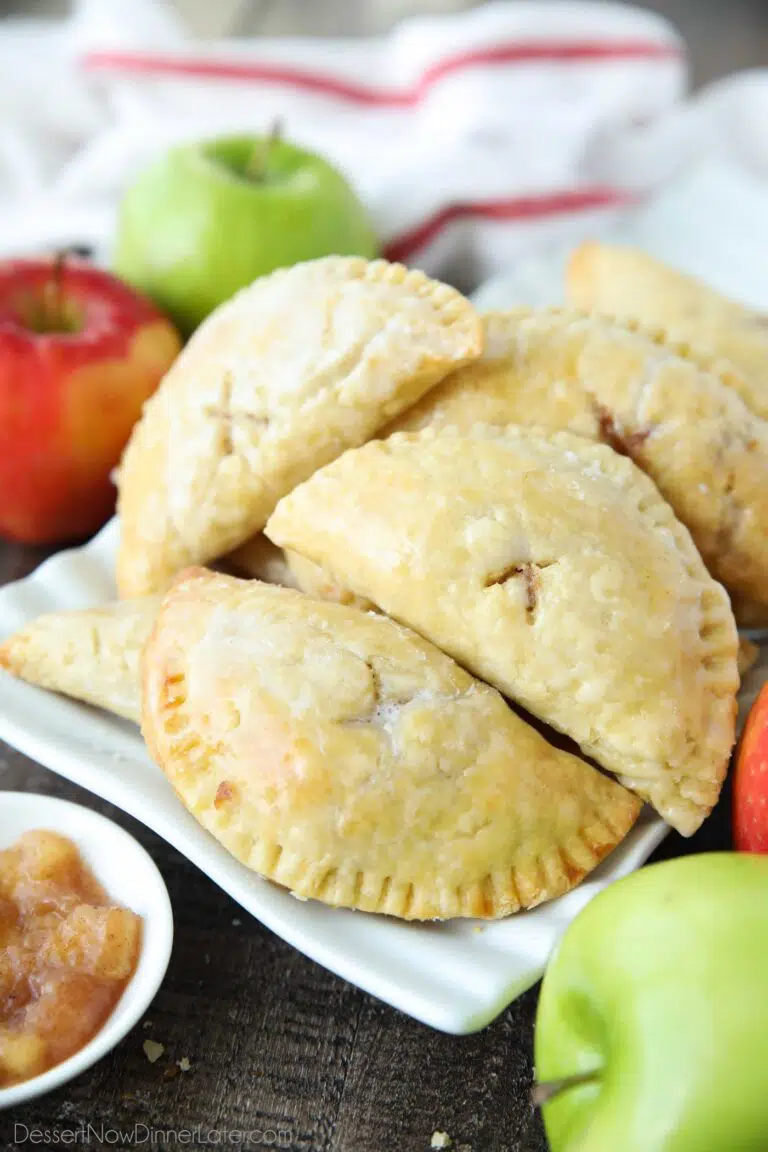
[(152, 1050)]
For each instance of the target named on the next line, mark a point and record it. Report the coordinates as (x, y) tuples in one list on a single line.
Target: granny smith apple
[(208, 218), (654, 1011)]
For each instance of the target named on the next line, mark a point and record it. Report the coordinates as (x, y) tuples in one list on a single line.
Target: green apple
[(654, 1011), (208, 218)]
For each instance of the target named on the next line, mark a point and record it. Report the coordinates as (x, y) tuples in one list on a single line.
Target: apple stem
[(54, 294), (542, 1093), (258, 165)]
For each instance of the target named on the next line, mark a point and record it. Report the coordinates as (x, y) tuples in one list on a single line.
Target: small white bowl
[(129, 877)]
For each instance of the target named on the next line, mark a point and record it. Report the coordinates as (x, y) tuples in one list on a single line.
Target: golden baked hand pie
[(554, 570), (626, 282), (651, 400), (345, 757), (92, 655), (278, 381), (526, 375)]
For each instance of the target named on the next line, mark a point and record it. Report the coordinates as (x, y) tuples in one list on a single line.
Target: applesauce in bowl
[(66, 954), (86, 931)]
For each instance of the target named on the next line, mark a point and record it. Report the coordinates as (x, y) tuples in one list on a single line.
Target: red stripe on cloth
[(518, 208), (523, 52)]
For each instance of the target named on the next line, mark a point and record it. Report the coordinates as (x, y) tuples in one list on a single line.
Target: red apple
[(750, 781), (80, 352)]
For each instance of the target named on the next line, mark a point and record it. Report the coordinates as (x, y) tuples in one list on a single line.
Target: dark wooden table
[(276, 1043)]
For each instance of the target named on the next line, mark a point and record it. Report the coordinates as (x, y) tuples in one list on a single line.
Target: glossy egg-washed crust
[(92, 655), (677, 413), (277, 382), (553, 569), (342, 756)]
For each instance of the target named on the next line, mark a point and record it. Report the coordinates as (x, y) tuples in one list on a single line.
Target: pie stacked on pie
[(682, 416), (347, 758), (499, 539)]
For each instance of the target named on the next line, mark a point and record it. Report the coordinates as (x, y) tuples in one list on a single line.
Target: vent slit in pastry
[(611, 433), (634, 645), (458, 808), (528, 572), (684, 418), (278, 381)]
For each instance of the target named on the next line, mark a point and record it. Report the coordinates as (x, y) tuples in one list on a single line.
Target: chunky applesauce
[(66, 954)]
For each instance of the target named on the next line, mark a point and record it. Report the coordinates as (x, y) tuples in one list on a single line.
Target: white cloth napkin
[(474, 137)]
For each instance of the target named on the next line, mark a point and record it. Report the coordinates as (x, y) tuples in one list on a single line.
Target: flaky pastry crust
[(92, 655), (628, 283), (676, 414), (342, 756), (553, 569), (278, 381)]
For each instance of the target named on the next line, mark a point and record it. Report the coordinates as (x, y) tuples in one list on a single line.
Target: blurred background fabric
[(475, 132), (723, 35)]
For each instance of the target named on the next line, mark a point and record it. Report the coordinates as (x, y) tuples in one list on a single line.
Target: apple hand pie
[(551, 568), (679, 419), (277, 382), (342, 756), (628, 283), (92, 655)]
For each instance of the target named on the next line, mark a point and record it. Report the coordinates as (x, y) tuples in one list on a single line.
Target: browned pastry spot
[(449, 805), (224, 793), (173, 681)]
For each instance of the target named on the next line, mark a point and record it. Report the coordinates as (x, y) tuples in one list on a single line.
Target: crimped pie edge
[(498, 894), (449, 305), (699, 787)]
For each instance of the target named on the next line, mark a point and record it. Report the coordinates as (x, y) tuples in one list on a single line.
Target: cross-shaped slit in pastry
[(528, 571), (227, 419), (315, 358), (386, 706)]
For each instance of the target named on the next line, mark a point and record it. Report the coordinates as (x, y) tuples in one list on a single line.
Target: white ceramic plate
[(130, 877), (455, 976)]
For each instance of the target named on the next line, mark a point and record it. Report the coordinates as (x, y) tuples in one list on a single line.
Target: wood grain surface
[(282, 1053)]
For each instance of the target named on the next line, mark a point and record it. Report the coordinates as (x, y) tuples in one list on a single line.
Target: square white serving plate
[(456, 976)]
